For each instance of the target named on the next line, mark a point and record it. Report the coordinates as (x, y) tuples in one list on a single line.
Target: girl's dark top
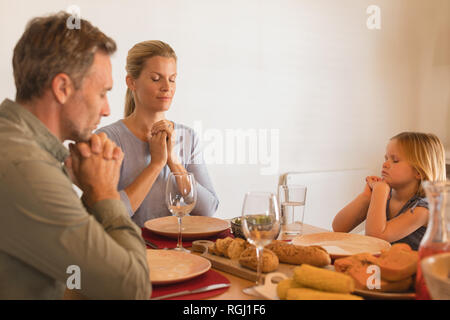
[(413, 239)]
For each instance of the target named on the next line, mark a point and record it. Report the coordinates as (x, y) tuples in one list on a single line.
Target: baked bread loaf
[(236, 247), (292, 254), (269, 259), (221, 246), (273, 253), (213, 250)]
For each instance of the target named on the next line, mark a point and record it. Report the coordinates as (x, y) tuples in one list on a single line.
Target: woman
[(154, 146)]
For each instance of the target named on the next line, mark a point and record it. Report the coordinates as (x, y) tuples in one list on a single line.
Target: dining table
[(238, 280)]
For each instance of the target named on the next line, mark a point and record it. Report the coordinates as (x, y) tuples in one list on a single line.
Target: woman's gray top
[(137, 158), (413, 239)]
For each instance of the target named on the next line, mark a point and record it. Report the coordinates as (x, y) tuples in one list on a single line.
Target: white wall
[(312, 69), (433, 64)]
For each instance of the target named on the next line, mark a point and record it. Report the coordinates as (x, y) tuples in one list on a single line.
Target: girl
[(149, 141), (394, 205)]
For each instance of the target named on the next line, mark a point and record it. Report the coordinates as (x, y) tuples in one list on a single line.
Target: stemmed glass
[(260, 224), (181, 197)]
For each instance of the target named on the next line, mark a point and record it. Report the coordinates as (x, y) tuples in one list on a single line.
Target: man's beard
[(77, 134), (84, 136)]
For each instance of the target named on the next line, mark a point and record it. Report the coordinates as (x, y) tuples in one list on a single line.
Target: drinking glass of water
[(181, 197), (292, 200)]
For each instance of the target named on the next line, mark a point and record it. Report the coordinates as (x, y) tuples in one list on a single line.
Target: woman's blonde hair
[(425, 152), (137, 56)]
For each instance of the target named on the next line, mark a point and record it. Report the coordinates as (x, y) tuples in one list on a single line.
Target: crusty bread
[(278, 251), (293, 254), (398, 263), (221, 246), (236, 247), (213, 250), (248, 259)]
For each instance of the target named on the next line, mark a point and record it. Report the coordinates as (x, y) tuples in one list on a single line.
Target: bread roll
[(289, 253), (213, 250), (269, 260), (222, 245), (323, 279), (311, 294), (236, 247)]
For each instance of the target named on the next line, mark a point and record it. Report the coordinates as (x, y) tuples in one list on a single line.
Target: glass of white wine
[(181, 197), (260, 224)]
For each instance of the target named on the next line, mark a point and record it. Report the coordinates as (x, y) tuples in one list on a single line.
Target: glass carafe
[(436, 239)]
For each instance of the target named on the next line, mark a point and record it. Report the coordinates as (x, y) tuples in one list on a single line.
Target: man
[(49, 237)]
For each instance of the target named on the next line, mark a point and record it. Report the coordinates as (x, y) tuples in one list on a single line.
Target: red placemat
[(164, 242), (206, 279)]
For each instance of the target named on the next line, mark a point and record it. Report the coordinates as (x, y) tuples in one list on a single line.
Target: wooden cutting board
[(232, 266)]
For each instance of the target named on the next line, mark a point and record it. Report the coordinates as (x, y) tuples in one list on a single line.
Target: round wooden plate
[(193, 227), (340, 244), (170, 266)]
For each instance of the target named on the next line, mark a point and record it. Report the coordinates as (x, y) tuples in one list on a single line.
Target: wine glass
[(181, 197), (260, 224)]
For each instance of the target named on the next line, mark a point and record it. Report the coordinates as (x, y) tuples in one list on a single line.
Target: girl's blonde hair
[(425, 152), (137, 56)]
